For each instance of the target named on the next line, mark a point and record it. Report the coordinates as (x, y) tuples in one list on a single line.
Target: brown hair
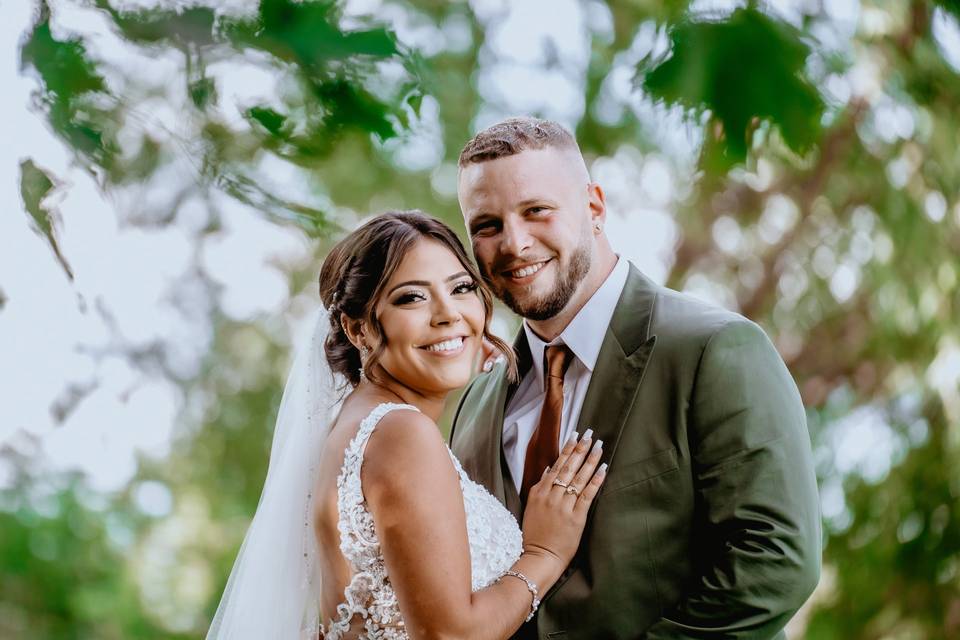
[(357, 269), (513, 135)]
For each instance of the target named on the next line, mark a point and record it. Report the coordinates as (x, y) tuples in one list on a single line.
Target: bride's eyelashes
[(408, 298), (460, 288), (466, 286)]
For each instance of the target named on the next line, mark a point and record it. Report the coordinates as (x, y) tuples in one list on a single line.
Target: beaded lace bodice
[(494, 537)]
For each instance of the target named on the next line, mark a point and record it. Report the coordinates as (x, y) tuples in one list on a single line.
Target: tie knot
[(558, 358)]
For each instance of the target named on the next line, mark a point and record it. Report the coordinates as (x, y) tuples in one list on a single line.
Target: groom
[(708, 523)]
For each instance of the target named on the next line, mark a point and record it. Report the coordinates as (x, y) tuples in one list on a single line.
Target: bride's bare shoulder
[(406, 446)]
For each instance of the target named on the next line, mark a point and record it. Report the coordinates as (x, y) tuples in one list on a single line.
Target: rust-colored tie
[(544, 447)]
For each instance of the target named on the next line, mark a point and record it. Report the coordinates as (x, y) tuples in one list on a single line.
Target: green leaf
[(202, 92), (375, 42), (268, 118), (306, 33), (315, 221), (193, 26), (69, 79), (349, 105), (35, 185), (62, 64), (953, 6), (746, 69)]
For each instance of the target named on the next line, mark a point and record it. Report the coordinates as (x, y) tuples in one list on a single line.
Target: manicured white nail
[(487, 366), (597, 446), (574, 437), (603, 468), (588, 434)]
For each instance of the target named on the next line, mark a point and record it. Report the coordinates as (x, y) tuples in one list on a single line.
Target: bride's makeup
[(432, 322)]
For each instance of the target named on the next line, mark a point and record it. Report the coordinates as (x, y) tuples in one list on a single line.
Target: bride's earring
[(364, 352)]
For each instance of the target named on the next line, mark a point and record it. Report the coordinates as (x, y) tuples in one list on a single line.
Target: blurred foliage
[(35, 186), (746, 69), (823, 203), (64, 564), (71, 84), (330, 78)]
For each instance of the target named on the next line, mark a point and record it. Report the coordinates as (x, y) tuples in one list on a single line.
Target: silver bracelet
[(533, 591)]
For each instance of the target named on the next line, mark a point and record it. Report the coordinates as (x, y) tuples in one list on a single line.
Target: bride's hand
[(489, 356), (554, 517)]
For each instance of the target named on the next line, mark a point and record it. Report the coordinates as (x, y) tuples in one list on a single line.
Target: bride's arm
[(413, 492)]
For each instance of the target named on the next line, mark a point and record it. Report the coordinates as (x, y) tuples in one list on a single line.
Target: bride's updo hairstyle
[(356, 271)]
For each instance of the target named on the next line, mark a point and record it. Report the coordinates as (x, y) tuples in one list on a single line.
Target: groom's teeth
[(527, 271), (446, 345)]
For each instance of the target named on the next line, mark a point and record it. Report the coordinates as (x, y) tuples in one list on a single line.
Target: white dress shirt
[(583, 336)]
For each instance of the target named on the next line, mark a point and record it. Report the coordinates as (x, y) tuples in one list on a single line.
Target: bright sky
[(50, 329)]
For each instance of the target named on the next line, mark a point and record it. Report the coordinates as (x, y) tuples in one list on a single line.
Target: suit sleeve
[(757, 553), (456, 414)]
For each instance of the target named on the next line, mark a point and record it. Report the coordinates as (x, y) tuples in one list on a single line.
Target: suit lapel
[(484, 452), (624, 354), (621, 363)]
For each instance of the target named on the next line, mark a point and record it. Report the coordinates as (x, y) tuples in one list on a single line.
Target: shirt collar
[(584, 335)]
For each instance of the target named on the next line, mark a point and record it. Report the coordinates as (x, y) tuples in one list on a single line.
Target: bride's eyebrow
[(424, 283)]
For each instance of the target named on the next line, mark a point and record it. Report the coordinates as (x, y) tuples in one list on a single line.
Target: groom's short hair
[(513, 135)]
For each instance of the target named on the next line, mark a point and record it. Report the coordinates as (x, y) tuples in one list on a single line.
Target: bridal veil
[(274, 587)]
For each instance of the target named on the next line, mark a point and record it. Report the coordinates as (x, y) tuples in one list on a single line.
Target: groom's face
[(529, 221)]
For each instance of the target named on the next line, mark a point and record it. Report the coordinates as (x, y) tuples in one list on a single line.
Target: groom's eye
[(486, 228)]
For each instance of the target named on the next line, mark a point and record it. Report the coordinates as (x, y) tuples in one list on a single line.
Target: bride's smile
[(447, 346), (431, 320)]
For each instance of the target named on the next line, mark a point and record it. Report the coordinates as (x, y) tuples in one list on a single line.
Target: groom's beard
[(549, 305)]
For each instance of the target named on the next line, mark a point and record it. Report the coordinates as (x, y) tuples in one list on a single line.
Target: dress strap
[(353, 456), (370, 423)]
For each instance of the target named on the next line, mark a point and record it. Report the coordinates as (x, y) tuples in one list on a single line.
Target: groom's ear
[(597, 202)]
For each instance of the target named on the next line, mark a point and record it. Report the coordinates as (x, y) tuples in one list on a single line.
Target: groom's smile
[(525, 274)]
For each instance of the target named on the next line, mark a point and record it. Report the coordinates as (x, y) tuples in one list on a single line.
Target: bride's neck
[(392, 390)]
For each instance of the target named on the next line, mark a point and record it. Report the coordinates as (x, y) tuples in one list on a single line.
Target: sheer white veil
[(274, 588)]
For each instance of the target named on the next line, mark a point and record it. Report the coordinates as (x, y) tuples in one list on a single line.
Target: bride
[(367, 526)]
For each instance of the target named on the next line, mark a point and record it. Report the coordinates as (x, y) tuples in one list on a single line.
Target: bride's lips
[(447, 347), (525, 273)]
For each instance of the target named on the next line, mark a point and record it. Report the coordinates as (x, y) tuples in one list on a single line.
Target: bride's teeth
[(446, 345), (527, 271)]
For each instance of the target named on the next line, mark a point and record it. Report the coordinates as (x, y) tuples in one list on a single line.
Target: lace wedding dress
[(495, 543)]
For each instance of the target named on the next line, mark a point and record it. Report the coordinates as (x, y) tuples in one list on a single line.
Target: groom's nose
[(515, 238)]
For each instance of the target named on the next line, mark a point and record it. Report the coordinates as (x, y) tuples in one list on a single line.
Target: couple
[(705, 524)]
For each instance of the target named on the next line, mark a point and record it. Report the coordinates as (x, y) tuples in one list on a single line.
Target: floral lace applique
[(494, 537)]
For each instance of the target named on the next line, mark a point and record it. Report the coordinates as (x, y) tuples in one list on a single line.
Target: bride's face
[(432, 318)]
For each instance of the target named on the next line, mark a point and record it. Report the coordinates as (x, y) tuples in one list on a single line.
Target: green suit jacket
[(708, 523)]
